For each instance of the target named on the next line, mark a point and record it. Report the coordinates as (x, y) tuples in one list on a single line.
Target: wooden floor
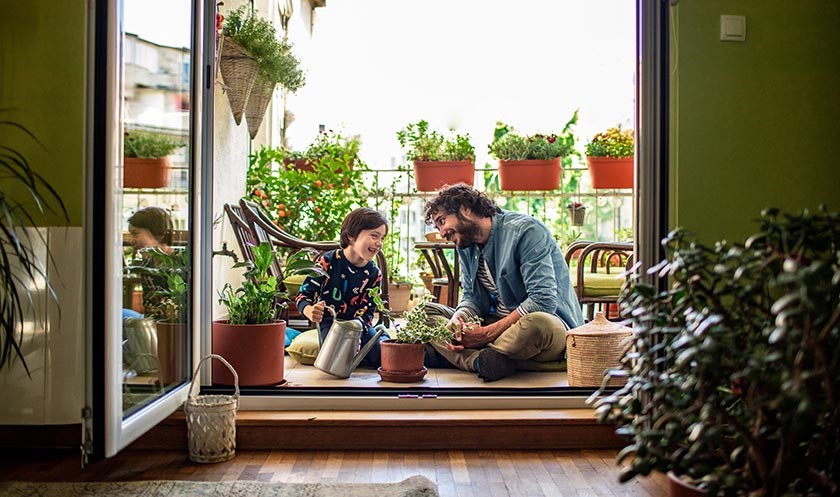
[(589, 473)]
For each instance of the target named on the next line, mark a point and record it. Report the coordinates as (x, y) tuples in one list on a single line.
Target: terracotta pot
[(171, 351), (398, 296), (611, 172), (526, 175), (402, 362), (146, 173), (432, 175), (254, 350), (299, 164), (679, 488)]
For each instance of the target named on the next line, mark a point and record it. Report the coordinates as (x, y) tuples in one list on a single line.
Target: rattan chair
[(599, 273)]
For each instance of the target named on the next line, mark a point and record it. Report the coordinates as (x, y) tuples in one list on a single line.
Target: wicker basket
[(211, 420), (261, 95), (239, 71), (592, 350)]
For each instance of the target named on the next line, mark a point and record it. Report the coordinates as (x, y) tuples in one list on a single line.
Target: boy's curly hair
[(452, 198)]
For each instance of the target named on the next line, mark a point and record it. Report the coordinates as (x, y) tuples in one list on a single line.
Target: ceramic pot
[(679, 488), (146, 173), (611, 172), (398, 296), (402, 362), (529, 175), (430, 176), (254, 350)]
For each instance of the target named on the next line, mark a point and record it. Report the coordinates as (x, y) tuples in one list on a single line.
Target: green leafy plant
[(425, 144), (166, 290), (509, 145), (732, 379), (309, 203), (614, 142), (148, 144), (417, 328), (259, 39), (25, 198), (259, 300)]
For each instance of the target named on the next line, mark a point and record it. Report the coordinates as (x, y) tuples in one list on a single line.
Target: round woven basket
[(592, 350), (211, 420)]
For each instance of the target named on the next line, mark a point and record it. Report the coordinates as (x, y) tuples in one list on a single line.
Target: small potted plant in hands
[(402, 355), (438, 160), (146, 158), (252, 339), (610, 158)]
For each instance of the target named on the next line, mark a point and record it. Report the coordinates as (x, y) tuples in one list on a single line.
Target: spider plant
[(25, 198)]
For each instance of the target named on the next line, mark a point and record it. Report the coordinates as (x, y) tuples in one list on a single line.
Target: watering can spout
[(369, 345)]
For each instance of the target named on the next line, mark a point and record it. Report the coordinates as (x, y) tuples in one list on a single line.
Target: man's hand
[(315, 313), (462, 330)]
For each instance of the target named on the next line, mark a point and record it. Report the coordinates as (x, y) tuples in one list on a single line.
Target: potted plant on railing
[(438, 159), (610, 158), (403, 355), (531, 162), (146, 158), (252, 338), (734, 373), (577, 213)]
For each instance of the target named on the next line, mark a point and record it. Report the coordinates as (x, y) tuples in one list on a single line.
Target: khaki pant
[(537, 337)]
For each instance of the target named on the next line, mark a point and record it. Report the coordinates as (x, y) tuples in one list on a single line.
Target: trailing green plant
[(148, 144), (309, 203), (509, 145), (732, 379), (425, 144), (26, 198), (614, 142), (417, 327), (165, 283), (258, 37), (259, 300)]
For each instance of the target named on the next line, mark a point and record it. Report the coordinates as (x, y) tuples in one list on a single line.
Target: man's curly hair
[(452, 198)]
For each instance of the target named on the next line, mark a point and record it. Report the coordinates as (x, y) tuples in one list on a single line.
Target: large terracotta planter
[(399, 295), (528, 175), (171, 352), (146, 173), (402, 362), (254, 350), (611, 172), (430, 176)]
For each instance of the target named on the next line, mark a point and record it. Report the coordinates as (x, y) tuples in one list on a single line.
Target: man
[(514, 279)]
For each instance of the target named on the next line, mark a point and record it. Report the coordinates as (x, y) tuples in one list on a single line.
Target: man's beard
[(468, 231)]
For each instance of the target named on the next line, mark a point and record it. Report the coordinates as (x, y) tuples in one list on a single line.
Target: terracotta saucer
[(402, 376)]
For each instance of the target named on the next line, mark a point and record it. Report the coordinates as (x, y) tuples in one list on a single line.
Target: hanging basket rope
[(211, 420)]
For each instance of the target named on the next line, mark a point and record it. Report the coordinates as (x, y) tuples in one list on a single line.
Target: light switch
[(733, 28)]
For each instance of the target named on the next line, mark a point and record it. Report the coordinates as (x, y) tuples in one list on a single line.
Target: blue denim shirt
[(527, 266)]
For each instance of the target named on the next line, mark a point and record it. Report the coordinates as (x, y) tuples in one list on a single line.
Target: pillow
[(304, 348), (600, 284), (293, 283), (291, 333)]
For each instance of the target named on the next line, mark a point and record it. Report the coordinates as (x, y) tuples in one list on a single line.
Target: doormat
[(415, 486)]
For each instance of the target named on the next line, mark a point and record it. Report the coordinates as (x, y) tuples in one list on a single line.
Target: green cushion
[(293, 283), (304, 348), (600, 284)]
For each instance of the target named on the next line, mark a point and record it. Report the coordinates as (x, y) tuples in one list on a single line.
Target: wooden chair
[(599, 272), (264, 229), (244, 235)]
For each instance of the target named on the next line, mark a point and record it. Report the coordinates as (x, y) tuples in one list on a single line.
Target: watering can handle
[(380, 329), (318, 325)]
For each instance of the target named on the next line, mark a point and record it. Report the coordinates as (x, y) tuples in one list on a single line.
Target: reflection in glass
[(155, 199)]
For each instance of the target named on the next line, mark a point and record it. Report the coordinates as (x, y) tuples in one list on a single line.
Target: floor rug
[(415, 486)]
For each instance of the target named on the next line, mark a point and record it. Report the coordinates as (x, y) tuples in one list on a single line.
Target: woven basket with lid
[(594, 348)]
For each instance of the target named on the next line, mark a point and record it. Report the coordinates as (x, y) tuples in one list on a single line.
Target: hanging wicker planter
[(261, 94), (239, 71)]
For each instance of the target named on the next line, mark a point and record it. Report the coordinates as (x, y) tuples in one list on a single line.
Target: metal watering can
[(337, 355)]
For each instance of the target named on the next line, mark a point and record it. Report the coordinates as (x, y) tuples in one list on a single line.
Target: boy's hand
[(315, 313)]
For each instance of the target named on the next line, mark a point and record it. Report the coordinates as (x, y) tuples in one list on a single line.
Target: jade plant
[(733, 377)]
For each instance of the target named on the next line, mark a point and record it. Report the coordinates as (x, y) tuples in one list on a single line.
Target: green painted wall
[(754, 123), (42, 78)]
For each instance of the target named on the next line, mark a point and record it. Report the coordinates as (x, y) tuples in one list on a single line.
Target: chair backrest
[(264, 229), (244, 235), (615, 257)]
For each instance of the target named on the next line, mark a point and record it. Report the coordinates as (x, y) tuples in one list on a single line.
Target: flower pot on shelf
[(430, 176), (239, 71), (254, 350), (146, 173), (527, 175), (677, 487), (402, 362), (611, 172)]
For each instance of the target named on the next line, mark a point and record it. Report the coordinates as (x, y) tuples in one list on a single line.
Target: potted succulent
[(403, 355), (438, 159), (531, 162), (146, 158), (252, 338), (734, 372), (610, 158)]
